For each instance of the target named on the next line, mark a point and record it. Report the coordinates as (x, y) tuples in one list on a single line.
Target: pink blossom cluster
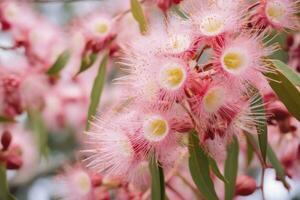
[(199, 67), (171, 90)]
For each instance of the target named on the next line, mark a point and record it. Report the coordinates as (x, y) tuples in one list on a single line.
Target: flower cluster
[(191, 78), (191, 72)]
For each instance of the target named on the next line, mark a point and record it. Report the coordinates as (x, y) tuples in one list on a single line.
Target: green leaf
[(286, 91), (279, 40), (157, 180), (286, 70), (199, 168), (39, 130), (277, 166), (231, 168), (250, 152), (138, 14), (179, 12), (87, 61), (4, 190), (60, 63), (214, 167), (97, 90), (4, 119), (259, 115)]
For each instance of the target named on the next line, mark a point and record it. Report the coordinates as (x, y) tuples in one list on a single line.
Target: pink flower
[(65, 104), (16, 17), (278, 14), (16, 85), (173, 37), (156, 79), (109, 147), (213, 100), (43, 42), (98, 31), (210, 21), (78, 183), (241, 58)]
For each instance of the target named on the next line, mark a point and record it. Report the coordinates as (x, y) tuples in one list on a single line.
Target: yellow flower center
[(233, 61), (11, 12), (213, 100), (83, 182), (158, 127), (102, 28), (275, 11), (212, 25), (155, 128), (172, 77)]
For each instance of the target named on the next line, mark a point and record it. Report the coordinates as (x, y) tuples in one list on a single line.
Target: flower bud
[(245, 185), (96, 180), (14, 162), (6, 140)]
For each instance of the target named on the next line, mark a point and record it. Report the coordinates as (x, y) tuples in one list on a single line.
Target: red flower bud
[(245, 185), (14, 162), (6, 140), (96, 180)]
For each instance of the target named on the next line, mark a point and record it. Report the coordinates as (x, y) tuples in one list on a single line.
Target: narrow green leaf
[(157, 180), (286, 92), (4, 190), (199, 168), (277, 166), (259, 115), (214, 167), (179, 12), (272, 159), (39, 130), (4, 119), (97, 90), (60, 63), (87, 61), (138, 14), (250, 152), (286, 70), (231, 167), (279, 40)]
